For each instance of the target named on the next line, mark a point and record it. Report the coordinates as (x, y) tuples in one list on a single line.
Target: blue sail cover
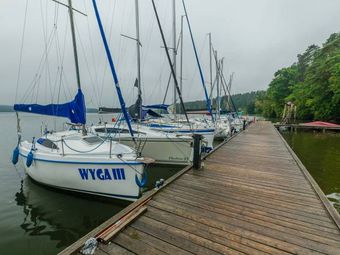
[(151, 113), (75, 110), (157, 106)]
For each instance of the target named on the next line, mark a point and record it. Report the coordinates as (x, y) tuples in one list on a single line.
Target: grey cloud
[(256, 37)]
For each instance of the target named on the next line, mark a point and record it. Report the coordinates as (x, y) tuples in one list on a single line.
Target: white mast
[(138, 60), (217, 87), (210, 56), (174, 52), (182, 39), (74, 41), (229, 90), (70, 9)]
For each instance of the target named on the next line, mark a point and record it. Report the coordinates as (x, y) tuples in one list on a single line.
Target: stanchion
[(197, 160)]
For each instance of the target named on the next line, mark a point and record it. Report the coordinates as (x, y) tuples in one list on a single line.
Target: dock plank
[(253, 196), (112, 249)]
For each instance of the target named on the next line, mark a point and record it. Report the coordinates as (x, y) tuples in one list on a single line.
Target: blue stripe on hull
[(186, 131), (86, 163), (195, 131)]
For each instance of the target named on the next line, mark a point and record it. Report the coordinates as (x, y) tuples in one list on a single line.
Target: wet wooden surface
[(252, 197)]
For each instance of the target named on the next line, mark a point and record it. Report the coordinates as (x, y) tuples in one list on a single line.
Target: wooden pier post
[(197, 151)]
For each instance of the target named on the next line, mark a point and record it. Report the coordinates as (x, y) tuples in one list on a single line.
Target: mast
[(210, 56), (208, 101), (217, 85), (138, 44), (70, 10), (219, 89), (229, 89), (182, 39), (174, 56), (169, 61), (75, 52), (113, 69)]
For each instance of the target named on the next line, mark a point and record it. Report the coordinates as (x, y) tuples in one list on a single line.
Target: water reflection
[(157, 172), (37, 220), (64, 217), (59, 216)]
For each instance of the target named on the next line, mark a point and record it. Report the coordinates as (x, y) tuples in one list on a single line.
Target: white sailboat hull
[(164, 151), (208, 135), (207, 131), (222, 130), (221, 134), (102, 177), (164, 148)]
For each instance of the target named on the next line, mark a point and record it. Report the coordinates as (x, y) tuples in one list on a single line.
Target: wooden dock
[(253, 196)]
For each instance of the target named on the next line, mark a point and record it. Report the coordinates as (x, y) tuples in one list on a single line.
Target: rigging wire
[(87, 65), (123, 59), (55, 21), (93, 55), (232, 101), (40, 66), (102, 51), (208, 103), (162, 60), (201, 51), (46, 62), (149, 33), (60, 56), (64, 77), (170, 75), (170, 63), (21, 51)]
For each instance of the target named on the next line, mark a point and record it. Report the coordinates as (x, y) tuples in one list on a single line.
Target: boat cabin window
[(115, 131), (47, 143), (92, 139), (112, 130)]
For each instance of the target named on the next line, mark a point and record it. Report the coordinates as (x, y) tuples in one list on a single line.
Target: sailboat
[(222, 124), (75, 160), (176, 125), (231, 121), (179, 127), (164, 148)]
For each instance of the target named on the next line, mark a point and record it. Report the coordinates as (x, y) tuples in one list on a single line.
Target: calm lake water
[(320, 153), (37, 220)]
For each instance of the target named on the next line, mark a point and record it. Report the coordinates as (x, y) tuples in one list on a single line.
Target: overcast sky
[(256, 38)]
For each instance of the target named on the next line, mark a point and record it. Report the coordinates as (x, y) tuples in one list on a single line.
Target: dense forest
[(312, 84), (242, 102)]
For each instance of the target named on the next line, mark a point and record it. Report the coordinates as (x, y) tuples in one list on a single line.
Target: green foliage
[(243, 102), (313, 84)]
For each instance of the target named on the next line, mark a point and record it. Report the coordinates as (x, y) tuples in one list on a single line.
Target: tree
[(313, 84)]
